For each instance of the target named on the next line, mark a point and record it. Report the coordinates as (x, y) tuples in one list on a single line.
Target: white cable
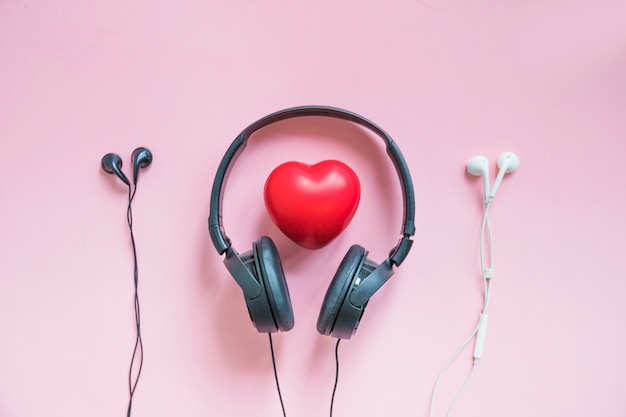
[(462, 390), (446, 366), (486, 281), (479, 330)]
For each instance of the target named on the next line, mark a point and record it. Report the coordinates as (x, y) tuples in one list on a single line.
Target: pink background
[(448, 79)]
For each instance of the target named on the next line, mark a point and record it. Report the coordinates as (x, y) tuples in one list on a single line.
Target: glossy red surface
[(312, 204)]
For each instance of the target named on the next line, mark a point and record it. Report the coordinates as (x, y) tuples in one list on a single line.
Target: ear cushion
[(273, 278), (338, 288)]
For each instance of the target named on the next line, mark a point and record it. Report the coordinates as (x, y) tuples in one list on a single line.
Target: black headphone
[(259, 272)]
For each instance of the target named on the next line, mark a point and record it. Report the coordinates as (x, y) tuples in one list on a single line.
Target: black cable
[(138, 349), (332, 398), (280, 396)]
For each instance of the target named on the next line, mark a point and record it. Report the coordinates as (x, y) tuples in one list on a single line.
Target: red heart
[(312, 204)]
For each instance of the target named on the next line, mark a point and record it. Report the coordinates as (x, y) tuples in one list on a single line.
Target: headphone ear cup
[(331, 320), (272, 277)]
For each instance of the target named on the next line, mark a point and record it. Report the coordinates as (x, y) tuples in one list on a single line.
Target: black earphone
[(111, 163), (259, 272)]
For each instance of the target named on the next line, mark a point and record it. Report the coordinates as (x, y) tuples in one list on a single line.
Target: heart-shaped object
[(312, 204)]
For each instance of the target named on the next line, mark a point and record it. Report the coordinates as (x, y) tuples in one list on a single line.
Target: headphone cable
[(280, 395), (332, 398), (138, 349)]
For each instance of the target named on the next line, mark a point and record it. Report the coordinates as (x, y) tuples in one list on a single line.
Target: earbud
[(142, 157), (112, 164), (508, 162), (479, 166)]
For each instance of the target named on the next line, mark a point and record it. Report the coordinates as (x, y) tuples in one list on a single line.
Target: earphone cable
[(463, 387), (280, 395), (485, 227), (332, 398), (138, 348), (446, 366)]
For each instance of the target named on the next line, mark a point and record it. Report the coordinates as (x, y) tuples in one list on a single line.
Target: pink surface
[(448, 79)]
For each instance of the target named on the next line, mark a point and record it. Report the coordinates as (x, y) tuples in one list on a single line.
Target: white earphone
[(479, 167), (508, 162)]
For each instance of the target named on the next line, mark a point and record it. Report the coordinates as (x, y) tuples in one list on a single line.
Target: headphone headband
[(216, 229)]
